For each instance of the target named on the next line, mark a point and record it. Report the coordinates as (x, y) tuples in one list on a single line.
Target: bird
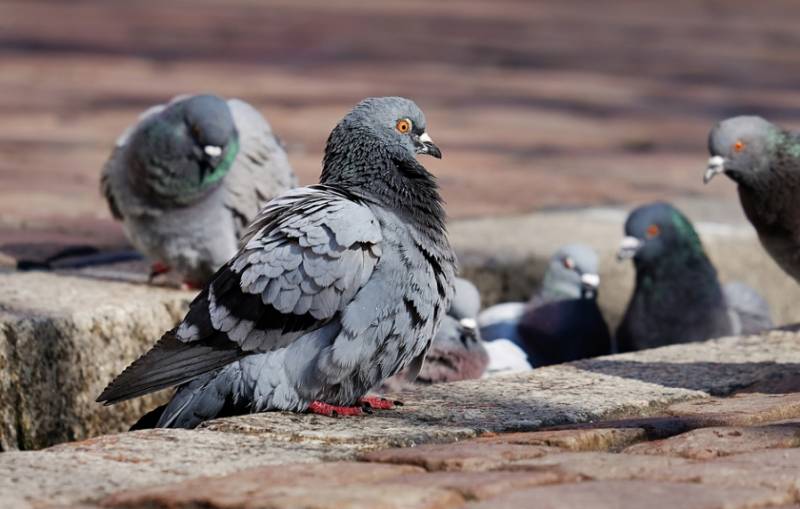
[(457, 352), (764, 161), (677, 296), (187, 179), (562, 322), (337, 286)]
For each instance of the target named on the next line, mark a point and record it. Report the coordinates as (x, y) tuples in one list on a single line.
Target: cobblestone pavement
[(735, 452)]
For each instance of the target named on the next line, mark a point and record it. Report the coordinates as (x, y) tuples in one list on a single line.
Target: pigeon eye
[(738, 146), (569, 263), (403, 125), (652, 231)]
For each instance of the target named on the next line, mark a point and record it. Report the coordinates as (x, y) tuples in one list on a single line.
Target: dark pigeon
[(562, 322), (764, 161), (677, 297), (336, 287), (187, 179)]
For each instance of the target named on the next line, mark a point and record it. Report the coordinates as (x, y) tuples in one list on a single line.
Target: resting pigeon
[(677, 297), (562, 322), (764, 160), (187, 179), (337, 287), (457, 352)]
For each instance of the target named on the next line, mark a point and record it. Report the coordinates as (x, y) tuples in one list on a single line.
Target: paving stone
[(599, 465), (654, 428), (469, 455), (744, 409), (708, 443), (636, 494), (588, 439), (483, 485), (327, 485)]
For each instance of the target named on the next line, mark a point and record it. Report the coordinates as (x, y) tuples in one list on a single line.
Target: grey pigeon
[(337, 287), (457, 352), (764, 161), (187, 179), (562, 322), (677, 297)]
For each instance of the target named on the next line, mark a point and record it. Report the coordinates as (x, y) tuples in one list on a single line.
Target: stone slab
[(62, 339), (636, 494)]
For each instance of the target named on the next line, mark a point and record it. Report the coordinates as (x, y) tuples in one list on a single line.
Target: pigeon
[(457, 352), (562, 322), (678, 297), (764, 161), (336, 287), (187, 179)]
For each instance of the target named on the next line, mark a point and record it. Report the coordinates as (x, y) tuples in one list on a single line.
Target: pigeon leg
[(379, 403), (191, 285), (320, 408)]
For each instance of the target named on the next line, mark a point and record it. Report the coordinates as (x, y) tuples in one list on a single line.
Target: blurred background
[(536, 105)]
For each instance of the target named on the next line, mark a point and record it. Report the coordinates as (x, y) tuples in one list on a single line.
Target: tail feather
[(170, 362)]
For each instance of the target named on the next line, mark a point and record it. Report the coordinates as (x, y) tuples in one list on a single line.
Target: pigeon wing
[(307, 255), (261, 170)]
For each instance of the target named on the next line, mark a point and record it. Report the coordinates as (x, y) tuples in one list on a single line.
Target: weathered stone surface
[(740, 410), (471, 455), (587, 439), (328, 485), (482, 485), (601, 465), (62, 339), (636, 494), (723, 441)]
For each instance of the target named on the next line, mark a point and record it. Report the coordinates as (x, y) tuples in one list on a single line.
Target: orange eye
[(738, 146), (568, 263), (403, 125), (652, 231)]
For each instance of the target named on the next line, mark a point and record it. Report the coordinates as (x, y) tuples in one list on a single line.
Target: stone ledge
[(652, 383), (62, 338)]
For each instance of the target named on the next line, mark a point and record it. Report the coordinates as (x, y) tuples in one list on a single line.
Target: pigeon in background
[(562, 321), (336, 287), (764, 161), (677, 297), (457, 352), (187, 179)]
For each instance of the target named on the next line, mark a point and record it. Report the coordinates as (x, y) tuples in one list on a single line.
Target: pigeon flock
[(318, 298)]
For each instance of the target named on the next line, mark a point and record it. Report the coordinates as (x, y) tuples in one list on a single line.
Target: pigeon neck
[(691, 278), (367, 169)]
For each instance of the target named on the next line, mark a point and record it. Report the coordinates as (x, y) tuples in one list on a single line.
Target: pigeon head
[(658, 233), (466, 303), (373, 151), (740, 147), (393, 125), (571, 274), (185, 150)]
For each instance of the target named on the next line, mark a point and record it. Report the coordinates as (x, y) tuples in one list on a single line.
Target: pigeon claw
[(320, 408), (156, 269), (378, 403)]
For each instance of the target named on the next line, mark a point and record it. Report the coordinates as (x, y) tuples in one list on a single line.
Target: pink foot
[(318, 407), (379, 403)]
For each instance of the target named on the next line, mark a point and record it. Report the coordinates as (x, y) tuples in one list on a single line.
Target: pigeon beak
[(212, 150), (589, 285), (469, 323), (628, 248), (715, 165), (424, 145)]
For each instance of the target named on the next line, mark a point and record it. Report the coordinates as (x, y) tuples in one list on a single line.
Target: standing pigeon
[(562, 322), (457, 352), (764, 160), (677, 297), (189, 177), (337, 287)]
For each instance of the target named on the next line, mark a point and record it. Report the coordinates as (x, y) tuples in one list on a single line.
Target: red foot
[(379, 403), (158, 268), (318, 407), (190, 285)]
